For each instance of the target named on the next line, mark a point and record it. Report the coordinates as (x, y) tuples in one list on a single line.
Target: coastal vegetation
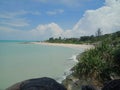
[(93, 39), (99, 64)]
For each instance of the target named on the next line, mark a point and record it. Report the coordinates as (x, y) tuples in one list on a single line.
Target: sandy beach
[(74, 46)]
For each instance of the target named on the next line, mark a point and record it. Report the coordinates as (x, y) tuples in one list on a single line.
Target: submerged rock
[(38, 84), (15, 86)]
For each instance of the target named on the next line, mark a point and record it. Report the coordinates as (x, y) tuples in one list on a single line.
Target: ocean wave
[(71, 61)]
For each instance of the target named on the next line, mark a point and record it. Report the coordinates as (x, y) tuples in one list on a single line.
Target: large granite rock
[(87, 87), (38, 84), (112, 85)]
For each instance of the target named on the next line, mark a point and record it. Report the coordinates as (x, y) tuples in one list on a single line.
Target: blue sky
[(41, 19)]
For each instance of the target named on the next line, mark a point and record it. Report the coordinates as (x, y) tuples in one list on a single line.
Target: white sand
[(74, 46)]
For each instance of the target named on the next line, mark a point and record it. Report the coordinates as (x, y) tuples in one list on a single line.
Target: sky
[(42, 19)]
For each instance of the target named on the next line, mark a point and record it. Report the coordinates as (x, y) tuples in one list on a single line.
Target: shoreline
[(74, 58), (73, 46)]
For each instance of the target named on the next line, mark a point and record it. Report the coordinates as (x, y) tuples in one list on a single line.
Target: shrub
[(99, 63)]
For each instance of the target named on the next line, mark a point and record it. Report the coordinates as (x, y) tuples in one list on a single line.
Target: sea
[(22, 60)]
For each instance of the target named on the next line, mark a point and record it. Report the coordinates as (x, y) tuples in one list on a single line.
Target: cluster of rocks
[(73, 83), (50, 84)]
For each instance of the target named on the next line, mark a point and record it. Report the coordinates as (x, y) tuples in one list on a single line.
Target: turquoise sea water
[(20, 61)]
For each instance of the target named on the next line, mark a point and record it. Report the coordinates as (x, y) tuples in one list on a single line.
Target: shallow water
[(20, 61)]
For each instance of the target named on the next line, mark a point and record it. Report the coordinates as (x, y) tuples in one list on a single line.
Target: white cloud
[(54, 12), (16, 22), (107, 18), (46, 31), (12, 15), (15, 19), (112, 2)]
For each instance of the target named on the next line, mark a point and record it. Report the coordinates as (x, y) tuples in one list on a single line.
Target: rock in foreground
[(112, 85), (38, 84)]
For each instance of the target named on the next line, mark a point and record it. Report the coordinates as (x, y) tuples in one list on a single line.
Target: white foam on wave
[(74, 57), (66, 73), (70, 61)]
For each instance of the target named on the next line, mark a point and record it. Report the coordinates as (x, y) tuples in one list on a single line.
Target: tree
[(99, 32), (51, 39), (59, 38), (84, 38)]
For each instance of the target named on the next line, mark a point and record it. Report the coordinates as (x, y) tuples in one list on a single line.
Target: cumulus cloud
[(46, 31), (107, 18)]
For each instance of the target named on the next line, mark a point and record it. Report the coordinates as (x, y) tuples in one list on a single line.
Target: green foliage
[(88, 39), (100, 63), (92, 62)]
